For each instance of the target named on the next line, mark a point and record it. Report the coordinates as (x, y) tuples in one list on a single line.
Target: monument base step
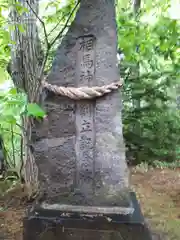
[(49, 224)]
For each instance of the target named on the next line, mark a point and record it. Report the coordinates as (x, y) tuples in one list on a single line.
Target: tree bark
[(25, 69), (26, 62), (136, 6)]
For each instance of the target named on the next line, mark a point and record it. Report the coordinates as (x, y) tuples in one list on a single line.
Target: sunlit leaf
[(21, 28), (34, 110), (13, 91)]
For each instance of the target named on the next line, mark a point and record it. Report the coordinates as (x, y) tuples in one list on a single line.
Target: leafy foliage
[(13, 106), (151, 73), (4, 42)]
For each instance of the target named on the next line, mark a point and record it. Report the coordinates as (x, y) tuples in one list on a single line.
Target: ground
[(159, 194), (158, 191)]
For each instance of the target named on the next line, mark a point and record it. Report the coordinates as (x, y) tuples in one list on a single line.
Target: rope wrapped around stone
[(80, 93)]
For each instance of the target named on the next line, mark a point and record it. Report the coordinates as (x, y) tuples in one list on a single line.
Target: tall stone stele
[(80, 152)]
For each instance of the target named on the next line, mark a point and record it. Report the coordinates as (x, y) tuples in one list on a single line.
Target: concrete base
[(43, 224)]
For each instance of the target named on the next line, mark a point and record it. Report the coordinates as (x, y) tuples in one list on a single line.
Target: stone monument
[(79, 150)]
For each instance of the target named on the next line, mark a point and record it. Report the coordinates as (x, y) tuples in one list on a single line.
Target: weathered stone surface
[(48, 224), (79, 150), (55, 232)]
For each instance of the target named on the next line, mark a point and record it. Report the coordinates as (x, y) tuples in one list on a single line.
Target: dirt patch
[(159, 195), (12, 223), (12, 211), (158, 192)]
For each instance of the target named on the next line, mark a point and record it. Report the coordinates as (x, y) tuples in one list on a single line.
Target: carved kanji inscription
[(85, 129)]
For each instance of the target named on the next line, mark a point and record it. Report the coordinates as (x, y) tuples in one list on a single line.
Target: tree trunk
[(25, 70), (136, 6)]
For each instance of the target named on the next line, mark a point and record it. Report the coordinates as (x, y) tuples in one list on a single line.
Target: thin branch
[(21, 127), (22, 161), (66, 24), (42, 23), (7, 130), (13, 147), (7, 157), (49, 44), (58, 24)]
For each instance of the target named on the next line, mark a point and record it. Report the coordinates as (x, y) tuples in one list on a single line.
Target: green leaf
[(34, 110), (20, 8), (2, 75), (21, 28), (10, 119), (13, 91)]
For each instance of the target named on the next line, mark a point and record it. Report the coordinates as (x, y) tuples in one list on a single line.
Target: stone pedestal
[(44, 224)]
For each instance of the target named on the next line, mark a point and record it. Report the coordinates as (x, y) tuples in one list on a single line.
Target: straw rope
[(81, 93)]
